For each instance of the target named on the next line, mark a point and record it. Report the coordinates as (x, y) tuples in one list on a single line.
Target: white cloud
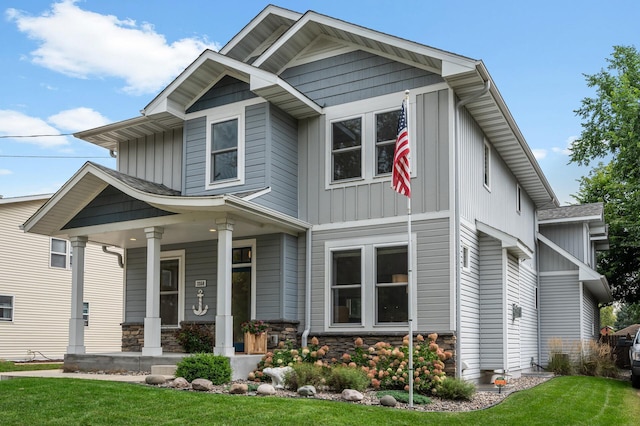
[(14, 123), (4, 172), (77, 119), (567, 149), (85, 44), (539, 153)]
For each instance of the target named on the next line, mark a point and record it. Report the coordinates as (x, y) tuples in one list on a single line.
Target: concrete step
[(164, 370)]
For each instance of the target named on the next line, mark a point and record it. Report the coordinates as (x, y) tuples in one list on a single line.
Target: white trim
[(67, 254), (559, 273), (257, 194), (367, 246), (571, 219), (518, 198), (486, 165), (213, 119), (249, 243), (465, 259), (381, 221), (13, 308), (25, 198), (180, 256)]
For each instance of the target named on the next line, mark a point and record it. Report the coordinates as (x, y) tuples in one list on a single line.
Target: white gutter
[(456, 210)]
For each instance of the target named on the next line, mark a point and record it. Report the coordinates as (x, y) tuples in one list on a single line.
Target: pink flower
[(359, 342), (314, 341)]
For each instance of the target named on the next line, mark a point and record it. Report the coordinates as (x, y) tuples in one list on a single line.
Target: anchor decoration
[(200, 311)]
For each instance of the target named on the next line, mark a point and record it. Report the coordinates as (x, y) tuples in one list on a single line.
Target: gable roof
[(292, 33)]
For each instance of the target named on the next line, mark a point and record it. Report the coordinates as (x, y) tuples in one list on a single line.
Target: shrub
[(305, 374), (341, 378), (403, 396), (456, 389), (205, 366), (287, 355), (195, 338), (595, 359)]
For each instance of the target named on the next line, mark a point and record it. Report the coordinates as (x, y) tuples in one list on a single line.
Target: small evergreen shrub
[(305, 374), (456, 389), (341, 378), (195, 338), (403, 396), (205, 366)]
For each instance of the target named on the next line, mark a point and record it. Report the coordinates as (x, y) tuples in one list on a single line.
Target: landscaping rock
[(266, 389), (155, 379), (238, 388), (388, 401), (307, 390), (352, 395), (179, 383), (202, 385)]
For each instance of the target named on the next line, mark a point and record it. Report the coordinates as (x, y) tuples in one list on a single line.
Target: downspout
[(456, 215), (307, 292), (120, 261), (539, 334)]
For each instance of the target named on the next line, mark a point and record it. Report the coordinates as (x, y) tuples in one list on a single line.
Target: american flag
[(401, 176)]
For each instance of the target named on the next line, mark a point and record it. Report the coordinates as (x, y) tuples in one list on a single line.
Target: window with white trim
[(169, 292), (386, 134), (85, 313), (518, 198), (486, 166), (346, 149), (60, 254), (224, 150), (465, 258), (6, 308), (367, 283)]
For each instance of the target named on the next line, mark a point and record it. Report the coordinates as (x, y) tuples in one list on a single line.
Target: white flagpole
[(409, 267)]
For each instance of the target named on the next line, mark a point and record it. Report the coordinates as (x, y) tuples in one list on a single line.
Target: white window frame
[(375, 140), (85, 313), (466, 262), (12, 308), (67, 254), (332, 287), (367, 109), (239, 179), (180, 256), (518, 198), (362, 146), (486, 165), (368, 246), (249, 243)]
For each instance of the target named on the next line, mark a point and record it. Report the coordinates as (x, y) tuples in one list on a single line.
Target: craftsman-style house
[(257, 185)]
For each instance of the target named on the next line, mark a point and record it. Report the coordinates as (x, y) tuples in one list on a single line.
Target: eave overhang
[(512, 244), (597, 284)]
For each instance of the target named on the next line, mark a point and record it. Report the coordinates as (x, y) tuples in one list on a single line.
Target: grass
[(6, 366), (563, 401)]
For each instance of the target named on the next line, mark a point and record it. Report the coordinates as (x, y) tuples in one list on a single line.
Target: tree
[(628, 315), (607, 316), (611, 132)]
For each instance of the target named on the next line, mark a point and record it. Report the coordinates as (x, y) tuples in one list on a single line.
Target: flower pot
[(255, 343)]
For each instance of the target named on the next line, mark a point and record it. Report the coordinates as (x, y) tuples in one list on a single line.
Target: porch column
[(76, 323), (152, 342), (224, 319)]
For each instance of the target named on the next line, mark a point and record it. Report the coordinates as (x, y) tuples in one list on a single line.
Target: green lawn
[(6, 366), (561, 401)]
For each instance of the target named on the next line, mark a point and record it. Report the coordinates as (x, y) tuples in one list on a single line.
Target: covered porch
[(102, 206)]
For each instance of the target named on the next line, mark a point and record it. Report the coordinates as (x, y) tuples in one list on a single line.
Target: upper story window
[(386, 134), (486, 166), (6, 308), (85, 313), (224, 150), (346, 149), (518, 199), (60, 254)]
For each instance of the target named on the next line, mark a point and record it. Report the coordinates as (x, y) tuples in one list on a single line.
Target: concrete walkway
[(61, 374)]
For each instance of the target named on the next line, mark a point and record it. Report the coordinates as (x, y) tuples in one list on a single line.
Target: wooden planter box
[(255, 343)]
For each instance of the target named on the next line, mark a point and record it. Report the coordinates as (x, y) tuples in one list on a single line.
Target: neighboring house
[(606, 330), (35, 292), (257, 185)]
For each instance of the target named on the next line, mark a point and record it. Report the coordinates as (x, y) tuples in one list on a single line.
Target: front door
[(240, 293)]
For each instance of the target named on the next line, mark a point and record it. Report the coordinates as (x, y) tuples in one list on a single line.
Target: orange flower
[(433, 337), (420, 338), (359, 342), (314, 340)]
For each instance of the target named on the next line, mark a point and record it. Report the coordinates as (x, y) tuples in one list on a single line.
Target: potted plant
[(255, 336)]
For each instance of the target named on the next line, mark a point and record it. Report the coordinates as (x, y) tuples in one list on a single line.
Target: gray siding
[(432, 271), (469, 340), (156, 158), (559, 312), (529, 320), (274, 275), (226, 91), (589, 316), (550, 260), (570, 237), (491, 304), (513, 324), (354, 76), (372, 200), (496, 207)]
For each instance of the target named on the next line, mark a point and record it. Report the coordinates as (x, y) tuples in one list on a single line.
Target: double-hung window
[(85, 313), (60, 254), (367, 282), (386, 134), (6, 308), (224, 150), (346, 149)]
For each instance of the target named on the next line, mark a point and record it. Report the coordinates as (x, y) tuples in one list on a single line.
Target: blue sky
[(71, 65)]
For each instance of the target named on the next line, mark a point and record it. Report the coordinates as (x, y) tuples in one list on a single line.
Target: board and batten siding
[(560, 309), (492, 276), (375, 199), (156, 158), (497, 206), (433, 292), (355, 76), (201, 264), (568, 236), (469, 339), (42, 295)]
